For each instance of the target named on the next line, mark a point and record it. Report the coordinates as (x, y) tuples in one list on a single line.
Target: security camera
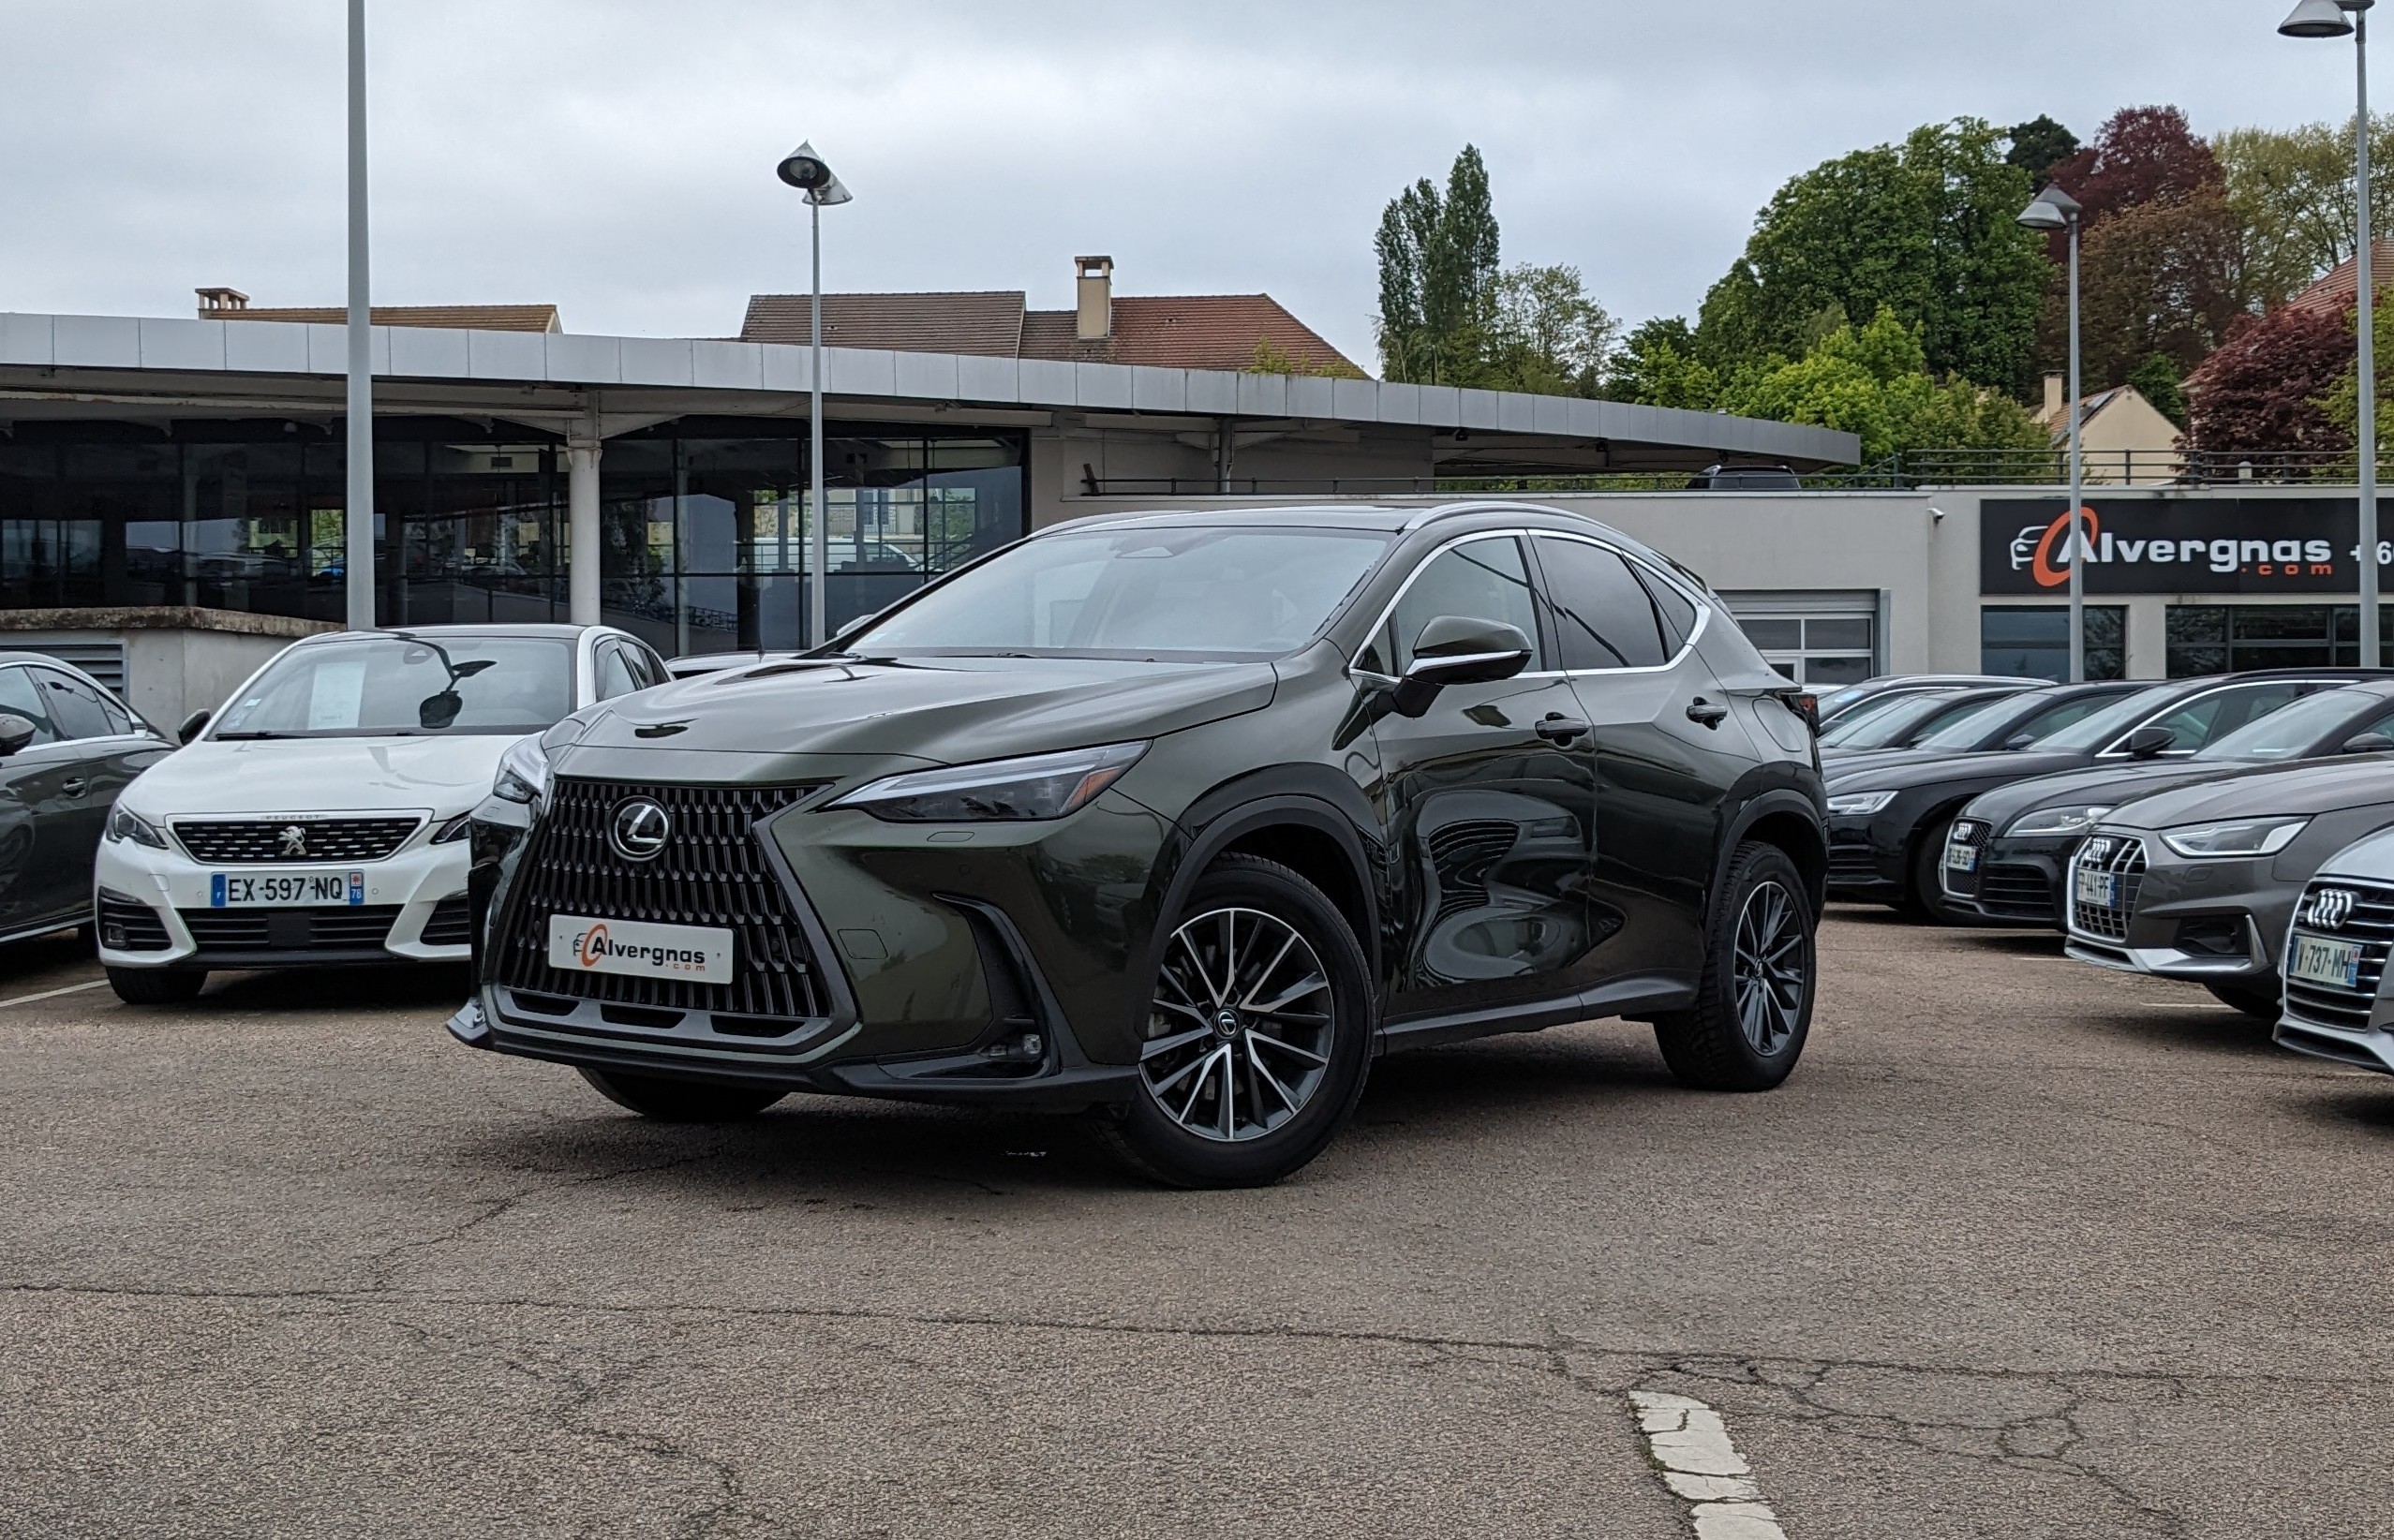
[(1937, 514)]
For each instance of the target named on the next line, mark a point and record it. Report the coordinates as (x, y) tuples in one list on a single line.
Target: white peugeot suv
[(322, 816)]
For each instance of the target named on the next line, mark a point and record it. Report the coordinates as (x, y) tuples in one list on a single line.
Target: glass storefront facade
[(2033, 641), (704, 521), (2220, 638)]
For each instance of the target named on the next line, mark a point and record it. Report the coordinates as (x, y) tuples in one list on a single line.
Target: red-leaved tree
[(2259, 394), (2143, 154)]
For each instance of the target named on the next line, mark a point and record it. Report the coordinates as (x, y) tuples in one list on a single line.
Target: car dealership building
[(171, 497)]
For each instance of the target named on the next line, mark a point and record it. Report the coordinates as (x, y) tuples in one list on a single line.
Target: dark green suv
[(1178, 819)]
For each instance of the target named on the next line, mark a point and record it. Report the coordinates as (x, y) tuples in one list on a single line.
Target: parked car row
[(2225, 832), (1176, 819)]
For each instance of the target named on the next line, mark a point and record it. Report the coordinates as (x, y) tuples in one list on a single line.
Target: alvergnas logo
[(2044, 551)]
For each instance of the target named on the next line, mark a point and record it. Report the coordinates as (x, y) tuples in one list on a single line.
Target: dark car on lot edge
[(2199, 882), (1877, 694), (1888, 824), (67, 747), (2007, 719), (2005, 855), (1179, 820)]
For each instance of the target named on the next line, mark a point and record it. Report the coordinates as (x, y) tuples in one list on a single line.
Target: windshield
[(2100, 729), (1889, 726), (1174, 592), (395, 684), (1964, 732), (2288, 732)]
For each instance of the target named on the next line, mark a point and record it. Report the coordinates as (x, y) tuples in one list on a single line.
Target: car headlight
[(523, 772), (2235, 836), (123, 824), (1860, 804), (2075, 820), (456, 829), (1036, 787)]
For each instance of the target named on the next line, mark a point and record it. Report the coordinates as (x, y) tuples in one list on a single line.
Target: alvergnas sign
[(2169, 545)]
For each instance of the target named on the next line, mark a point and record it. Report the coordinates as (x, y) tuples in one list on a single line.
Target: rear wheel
[(157, 985), (2253, 1000), (1257, 1036), (671, 1100), (1753, 1007)]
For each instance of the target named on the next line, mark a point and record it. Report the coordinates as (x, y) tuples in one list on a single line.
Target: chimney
[(2053, 398), (1094, 321), (216, 302)]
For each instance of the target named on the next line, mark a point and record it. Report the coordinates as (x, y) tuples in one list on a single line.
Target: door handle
[(1700, 710), (1557, 728), (74, 786)]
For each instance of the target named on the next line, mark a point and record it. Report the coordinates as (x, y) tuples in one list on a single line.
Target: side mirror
[(435, 712), (2368, 743), (15, 733), (2019, 740), (192, 727), (1456, 650), (2145, 742)]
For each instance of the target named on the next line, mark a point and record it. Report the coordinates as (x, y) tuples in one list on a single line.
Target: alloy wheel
[(1769, 973), (1240, 1027)]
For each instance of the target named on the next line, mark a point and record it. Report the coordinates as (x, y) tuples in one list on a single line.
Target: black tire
[(1711, 1046), (2259, 1002), (1319, 1040), (670, 1101), (1926, 902), (157, 985)]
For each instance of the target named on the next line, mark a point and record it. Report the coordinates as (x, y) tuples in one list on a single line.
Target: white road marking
[(52, 994), (1689, 1440)]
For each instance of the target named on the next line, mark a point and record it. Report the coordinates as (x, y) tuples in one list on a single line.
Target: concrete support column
[(582, 522)]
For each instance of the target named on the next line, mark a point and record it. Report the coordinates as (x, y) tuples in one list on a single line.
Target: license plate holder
[(2099, 889), (2318, 959), (639, 948), (286, 889), (1961, 858)]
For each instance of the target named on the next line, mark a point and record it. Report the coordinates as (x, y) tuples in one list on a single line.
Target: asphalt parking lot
[(2023, 1250)]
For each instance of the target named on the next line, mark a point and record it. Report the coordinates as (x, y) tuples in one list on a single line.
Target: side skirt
[(1631, 997)]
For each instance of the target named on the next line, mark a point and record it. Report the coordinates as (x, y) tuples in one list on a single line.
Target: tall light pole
[(2054, 209), (358, 558), (807, 171), (2327, 18)]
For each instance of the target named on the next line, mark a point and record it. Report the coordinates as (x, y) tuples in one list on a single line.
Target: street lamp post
[(358, 554), (807, 171), (2054, 209), (2328, 19)]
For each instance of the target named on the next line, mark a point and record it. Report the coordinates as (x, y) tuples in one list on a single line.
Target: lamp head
[(2319, 18), (2052, 209), (811, 174)]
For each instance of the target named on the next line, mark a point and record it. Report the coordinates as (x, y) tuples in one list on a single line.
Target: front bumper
[(2203, 921), (155, 909), (1863, 865), (2364, 1048), (986, 963), (2014, 881)]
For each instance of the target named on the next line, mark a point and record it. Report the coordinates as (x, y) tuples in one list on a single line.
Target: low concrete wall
[(178, 659)]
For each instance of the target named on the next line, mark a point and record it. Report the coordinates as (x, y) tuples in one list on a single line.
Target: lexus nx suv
[(1178, 819), (320, 816)]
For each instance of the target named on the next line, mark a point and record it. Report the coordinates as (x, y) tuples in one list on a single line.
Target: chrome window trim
[(2116, 751), (1355, 671), (1703, 608)]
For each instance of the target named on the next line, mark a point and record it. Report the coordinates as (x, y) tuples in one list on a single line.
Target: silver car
[(2335, 959), (2199, 882)]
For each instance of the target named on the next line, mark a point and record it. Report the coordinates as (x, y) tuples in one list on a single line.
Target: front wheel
[(1926, 899), (2259, 1002), (1257, 1036), (1753, 1006), (157, 985), (671, 1100)]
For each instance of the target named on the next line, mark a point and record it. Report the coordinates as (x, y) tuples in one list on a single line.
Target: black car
[(1888, 824), (1879, 693), (2006, 855), (1179, 819), (1904, 724), (67, 747), (2008, 721), (1745, 478)]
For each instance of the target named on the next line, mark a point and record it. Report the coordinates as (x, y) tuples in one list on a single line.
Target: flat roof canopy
[(54, 366)]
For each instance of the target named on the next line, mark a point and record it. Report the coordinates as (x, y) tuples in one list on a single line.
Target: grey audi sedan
[(2199, 882)]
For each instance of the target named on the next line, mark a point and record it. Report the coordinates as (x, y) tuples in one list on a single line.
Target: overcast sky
[(615, 157)]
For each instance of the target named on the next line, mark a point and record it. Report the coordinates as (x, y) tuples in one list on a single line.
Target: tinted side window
[(19, 698), (1678, 615), (2054, 719), (615, 674), (1479, 579), (1603, 616), (648, 668), (74, 706)]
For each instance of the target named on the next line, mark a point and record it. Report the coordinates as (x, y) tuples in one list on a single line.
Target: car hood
[(2369, 857), (944, 710), (2108, 784), (2276, 790), (446, 775), (1995, 765)]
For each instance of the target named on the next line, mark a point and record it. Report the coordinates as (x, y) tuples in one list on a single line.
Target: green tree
[(1437, 258), (1544, 335), (2158, 381), (2292, 191), (1656, 365), (1873, 381), (2038, 145), (1926, 229)]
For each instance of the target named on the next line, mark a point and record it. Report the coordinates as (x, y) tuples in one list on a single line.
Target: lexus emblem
[(639, 829), (2330, 908), (294, 841)]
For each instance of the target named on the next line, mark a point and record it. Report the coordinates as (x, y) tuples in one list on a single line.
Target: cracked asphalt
[(2023, 1250)]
